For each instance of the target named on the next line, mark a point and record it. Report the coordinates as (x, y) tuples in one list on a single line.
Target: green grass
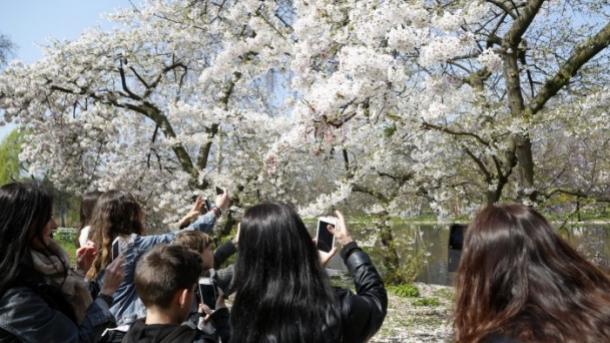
[(426, 302), (70, 248), (404, 290)]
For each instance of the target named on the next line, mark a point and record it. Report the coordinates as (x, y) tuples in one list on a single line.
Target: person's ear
[(184, 297)]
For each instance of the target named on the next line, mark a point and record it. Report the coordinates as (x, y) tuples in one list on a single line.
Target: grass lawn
[(70, 248)]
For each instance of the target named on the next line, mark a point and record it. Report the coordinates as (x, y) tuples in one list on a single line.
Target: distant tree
[(6, 48), (9, 157)]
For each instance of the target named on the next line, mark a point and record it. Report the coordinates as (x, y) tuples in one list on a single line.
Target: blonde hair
[(194, 240)]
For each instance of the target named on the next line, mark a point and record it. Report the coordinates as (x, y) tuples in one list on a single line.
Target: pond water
[(591, 240)]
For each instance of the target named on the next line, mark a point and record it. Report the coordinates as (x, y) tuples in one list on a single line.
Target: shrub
[(405, 290), (426, 302)]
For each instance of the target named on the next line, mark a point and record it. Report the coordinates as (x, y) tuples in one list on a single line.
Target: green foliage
[(445, 293), (426, 302), (401, 254), (389, 130), (9, 157), (69, 246), (405, 290)]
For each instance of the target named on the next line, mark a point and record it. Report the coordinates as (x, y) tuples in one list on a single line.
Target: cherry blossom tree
[(416, 105), (458, 101)]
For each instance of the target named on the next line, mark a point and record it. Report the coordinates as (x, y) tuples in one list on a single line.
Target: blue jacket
[(127, 306)]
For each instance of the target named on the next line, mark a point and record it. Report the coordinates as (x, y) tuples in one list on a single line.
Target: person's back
[(519, 282), (283, 293), (165, 280)]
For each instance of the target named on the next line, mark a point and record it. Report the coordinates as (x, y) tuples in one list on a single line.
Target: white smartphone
[(207, 292), (325, 240)]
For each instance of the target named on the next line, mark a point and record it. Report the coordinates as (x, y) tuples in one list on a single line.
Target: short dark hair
[(195, 240), (163, 271)]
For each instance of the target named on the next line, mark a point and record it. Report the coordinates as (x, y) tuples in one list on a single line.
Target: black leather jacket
[(362, 313), (26, 317)]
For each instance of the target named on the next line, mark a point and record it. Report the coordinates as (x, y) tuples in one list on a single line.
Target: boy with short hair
[(212, 260), (165, 279)]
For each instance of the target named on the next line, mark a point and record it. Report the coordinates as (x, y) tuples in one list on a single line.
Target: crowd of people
[(517, 281)]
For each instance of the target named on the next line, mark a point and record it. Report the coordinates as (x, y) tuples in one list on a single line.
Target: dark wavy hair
[(282, 292), (519, 279), (25, 209), (115, 213)]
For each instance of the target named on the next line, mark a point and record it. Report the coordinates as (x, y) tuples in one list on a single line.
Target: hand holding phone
[(222, 200), (340, 231), (207, 292), (114, 251)]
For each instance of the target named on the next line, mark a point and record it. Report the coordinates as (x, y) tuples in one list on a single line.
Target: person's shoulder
[(342, 294), (498, 338), (23, 311), (18, 297)]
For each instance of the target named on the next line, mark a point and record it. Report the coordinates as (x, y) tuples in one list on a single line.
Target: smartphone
[(219, 190), (208, 205), (456, 236), (456, 243), (325, 239), (114, 251), (207, 292)]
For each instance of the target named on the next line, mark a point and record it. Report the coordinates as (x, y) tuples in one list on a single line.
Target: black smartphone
[(219, 190), (456, 243), (456, 236), (207, 292), (208, 205), (325, 240), (114, 253)]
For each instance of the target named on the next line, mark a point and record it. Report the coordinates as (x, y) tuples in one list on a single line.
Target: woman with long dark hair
[(283, 293), (518, 281), (41, 298), (117, 228)]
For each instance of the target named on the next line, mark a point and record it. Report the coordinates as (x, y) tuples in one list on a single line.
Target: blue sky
[(31, 23)]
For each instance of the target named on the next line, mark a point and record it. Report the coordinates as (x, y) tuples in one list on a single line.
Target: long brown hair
[(86, 211), (115, 213), (519, 279)]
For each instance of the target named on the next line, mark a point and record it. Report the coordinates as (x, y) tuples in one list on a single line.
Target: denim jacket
[(127, 306)]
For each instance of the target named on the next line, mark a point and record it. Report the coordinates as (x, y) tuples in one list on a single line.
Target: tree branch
[(482, 168), (522, 23), (581, 55), (426, 125), (501, 5)]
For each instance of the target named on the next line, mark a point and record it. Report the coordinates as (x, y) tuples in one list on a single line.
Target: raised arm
[(368, 307)]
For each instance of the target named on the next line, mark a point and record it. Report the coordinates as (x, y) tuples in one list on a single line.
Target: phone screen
[(456, 236), (207, 292), (456, 242), (324, 238), (208, 205)]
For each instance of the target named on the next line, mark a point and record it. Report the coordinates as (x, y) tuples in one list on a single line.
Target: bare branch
[(581, 55), (427, 126)]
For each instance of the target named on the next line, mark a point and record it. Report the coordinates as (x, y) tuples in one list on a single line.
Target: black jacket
[(497, 338), (158, 333), (185, 333), (26, 315), (362, 313)]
